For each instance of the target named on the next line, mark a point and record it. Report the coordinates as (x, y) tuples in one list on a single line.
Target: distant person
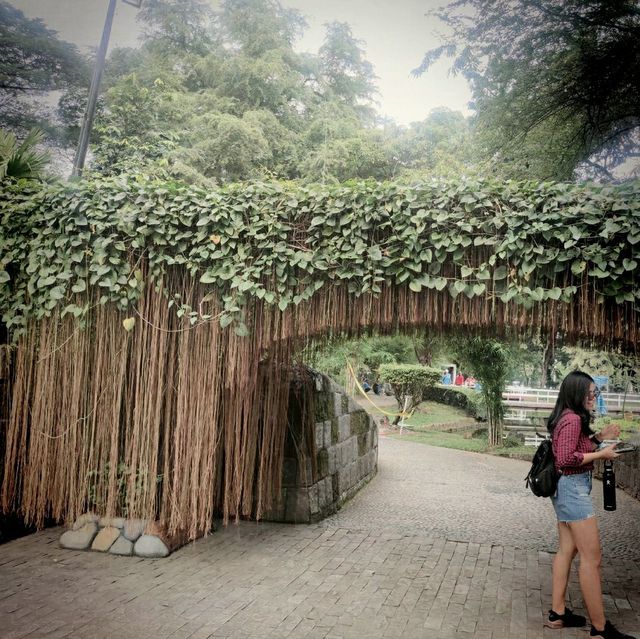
[(459, 379), (575, 448), (446, 377), (365, 385), (376, 387), (470, 382)]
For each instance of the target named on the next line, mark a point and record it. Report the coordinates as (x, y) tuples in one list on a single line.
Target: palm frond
[(24, 160)]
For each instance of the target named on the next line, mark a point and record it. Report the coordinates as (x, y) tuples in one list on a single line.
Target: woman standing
[(574, 449)]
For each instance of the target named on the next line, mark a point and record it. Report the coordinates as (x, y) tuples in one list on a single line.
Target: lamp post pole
[(87, 120)]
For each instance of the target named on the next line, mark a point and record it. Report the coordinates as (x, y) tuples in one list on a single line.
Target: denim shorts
[(572, 501)]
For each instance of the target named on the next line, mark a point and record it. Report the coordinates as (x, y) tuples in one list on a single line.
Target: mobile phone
[(625, 447)]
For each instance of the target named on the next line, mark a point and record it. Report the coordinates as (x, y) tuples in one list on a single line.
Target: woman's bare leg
[(562, 566), (587, 539)]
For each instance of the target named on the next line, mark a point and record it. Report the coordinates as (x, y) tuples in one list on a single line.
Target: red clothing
[(570, 444)]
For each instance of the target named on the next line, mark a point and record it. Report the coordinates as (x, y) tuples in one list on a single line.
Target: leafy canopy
[(549, 76), (33, 61), (218, 95), (224, 96)]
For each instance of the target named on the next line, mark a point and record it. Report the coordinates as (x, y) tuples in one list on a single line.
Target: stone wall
[(346, 458)]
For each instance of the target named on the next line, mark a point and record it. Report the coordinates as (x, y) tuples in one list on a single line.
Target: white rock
[(86, 518), (150, 546), (79, 539), (133, 528), (122, 546), (115, 522)]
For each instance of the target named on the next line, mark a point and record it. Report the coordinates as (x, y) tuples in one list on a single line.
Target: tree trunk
[(496, 425), (548, 355), (498, 431)]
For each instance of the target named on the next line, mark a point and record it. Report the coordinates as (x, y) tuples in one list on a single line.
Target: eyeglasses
[(594, 394)]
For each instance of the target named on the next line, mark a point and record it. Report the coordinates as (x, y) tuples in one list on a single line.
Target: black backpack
[(542, 477)]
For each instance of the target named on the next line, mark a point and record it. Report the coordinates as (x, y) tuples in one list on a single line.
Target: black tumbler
[(609, 486)]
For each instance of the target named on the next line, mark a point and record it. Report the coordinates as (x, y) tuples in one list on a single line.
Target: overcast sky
[(395, 36)]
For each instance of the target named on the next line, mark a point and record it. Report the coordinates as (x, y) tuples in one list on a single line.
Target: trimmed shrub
[(409, 381)]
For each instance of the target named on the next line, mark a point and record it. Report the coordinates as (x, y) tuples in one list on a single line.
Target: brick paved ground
[(441, 544)]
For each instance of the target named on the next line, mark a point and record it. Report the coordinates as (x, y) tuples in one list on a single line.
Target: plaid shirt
[(570, 444)]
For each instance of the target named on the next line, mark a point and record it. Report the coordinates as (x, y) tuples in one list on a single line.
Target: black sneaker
[(566, 620), (609, 632)]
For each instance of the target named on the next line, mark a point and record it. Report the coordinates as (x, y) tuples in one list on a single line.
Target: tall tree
[(488, 360), (441, 145), (182, 26), (226, 97), (258, 26), (558, 75), (346, 73)]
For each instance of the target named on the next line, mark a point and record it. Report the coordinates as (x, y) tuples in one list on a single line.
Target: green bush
[(365, 354), (512, 441), (467, 399)]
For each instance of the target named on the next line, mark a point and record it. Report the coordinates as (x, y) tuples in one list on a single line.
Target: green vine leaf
[(282, 243), (500, 273)]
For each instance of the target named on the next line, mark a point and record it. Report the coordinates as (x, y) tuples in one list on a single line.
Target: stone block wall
[(346, 458)]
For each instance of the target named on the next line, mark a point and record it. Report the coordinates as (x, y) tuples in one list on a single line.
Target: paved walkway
[(441, 544)]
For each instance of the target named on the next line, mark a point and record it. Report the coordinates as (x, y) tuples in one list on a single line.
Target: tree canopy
[(33, 61), (224, 96), (554, 82), (220, 94)]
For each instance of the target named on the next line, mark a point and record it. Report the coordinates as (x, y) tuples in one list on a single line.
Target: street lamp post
[(87, 120)]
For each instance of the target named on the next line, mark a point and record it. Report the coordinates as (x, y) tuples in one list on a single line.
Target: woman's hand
[(610, 431), (608, 452)]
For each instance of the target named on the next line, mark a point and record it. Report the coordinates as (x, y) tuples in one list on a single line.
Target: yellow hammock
[(364, 394)]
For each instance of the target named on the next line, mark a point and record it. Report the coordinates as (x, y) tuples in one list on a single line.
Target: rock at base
[(122, 546), (116, 522), (150, 546), (172, 541), (87, 518), (105, 538), (79, 539), (133, 528)]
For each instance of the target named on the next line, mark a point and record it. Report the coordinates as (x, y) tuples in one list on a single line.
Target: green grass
[(523, 452), (445, 440), (463, 441), (627, 426), (430, 413), (418, 428)]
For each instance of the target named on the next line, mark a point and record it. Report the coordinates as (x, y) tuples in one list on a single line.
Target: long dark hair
[(573, 391)]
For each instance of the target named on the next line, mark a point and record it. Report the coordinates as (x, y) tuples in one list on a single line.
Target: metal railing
[(530, 405)]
